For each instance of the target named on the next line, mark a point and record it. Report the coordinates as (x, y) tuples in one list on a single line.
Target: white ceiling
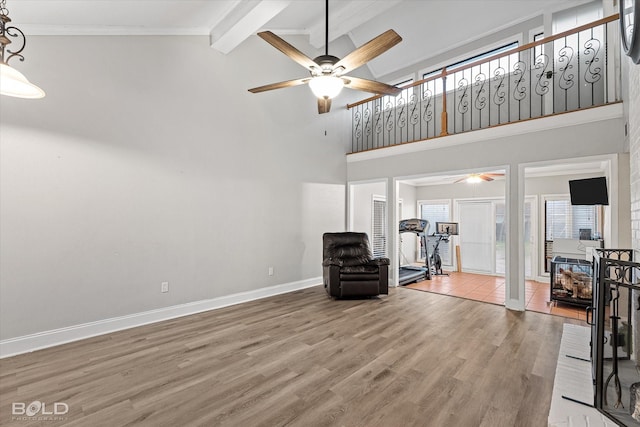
[(436, 24)]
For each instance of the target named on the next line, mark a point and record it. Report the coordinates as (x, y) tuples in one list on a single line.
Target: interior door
[(477, 236)]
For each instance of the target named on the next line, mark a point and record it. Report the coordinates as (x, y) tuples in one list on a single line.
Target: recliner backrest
[(350, 248)]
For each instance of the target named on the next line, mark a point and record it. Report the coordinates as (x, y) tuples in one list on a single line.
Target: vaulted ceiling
[(436, 24)]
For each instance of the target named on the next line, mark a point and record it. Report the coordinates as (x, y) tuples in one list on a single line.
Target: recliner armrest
[(331, 261), (338, 262), (379, 261)]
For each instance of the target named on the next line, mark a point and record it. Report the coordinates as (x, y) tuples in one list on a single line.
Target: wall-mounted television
[(450, 228), (590, 191)]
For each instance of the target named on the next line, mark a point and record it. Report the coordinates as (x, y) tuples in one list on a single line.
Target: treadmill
[(411, 273)]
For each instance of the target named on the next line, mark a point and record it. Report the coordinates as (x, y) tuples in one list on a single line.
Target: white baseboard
[(25, 344)]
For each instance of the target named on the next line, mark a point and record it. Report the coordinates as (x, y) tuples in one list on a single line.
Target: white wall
[(148, 161), (407, 194), (461, 190), (362, 205), (624, 197), (633, 122), (634, 144), (361, 208)]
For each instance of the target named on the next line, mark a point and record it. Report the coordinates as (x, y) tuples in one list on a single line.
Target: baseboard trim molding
[(28, 343)]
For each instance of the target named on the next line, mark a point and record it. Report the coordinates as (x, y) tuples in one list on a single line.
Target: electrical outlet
[(270, 271), (164, 287)]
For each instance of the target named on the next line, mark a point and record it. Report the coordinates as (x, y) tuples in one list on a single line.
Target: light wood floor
[(302, 359), (480, 287)]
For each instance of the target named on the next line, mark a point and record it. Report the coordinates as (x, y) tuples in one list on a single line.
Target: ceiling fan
[(473, 178), (328, 72)]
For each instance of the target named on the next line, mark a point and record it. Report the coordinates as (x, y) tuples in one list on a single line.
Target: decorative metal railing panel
[(566, 72)]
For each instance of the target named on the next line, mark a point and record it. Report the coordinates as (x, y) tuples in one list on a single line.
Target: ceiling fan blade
[(324, 105), (493, 174), (368, 51), (280, 85), (370, 86), (288, 49), (464, 178), (485, 177)]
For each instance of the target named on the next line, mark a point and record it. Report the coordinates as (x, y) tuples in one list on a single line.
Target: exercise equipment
[(444, 230), (436, 260), (411, 273)]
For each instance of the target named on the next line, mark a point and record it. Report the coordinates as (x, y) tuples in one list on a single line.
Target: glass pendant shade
[(14, 83), (326, 87)]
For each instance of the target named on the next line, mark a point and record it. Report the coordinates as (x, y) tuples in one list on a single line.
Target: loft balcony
[(574, 70)]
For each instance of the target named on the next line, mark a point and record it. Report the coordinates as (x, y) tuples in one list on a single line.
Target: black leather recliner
[(349, 269)]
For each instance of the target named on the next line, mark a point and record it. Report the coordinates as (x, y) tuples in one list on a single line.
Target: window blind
[(564, 221), (379, 228)]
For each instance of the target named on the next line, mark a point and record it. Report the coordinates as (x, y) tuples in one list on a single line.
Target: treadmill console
[(413, 225)]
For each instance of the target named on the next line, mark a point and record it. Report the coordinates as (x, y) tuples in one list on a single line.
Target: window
[(405, 94), (437, 211), (493, 65), (574, 17), (538, 50), (379, 227), (527, 237), (564, 221)]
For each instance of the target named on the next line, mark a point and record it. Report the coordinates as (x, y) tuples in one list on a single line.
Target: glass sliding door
[(528, 236), (437, 211), (477, 225)]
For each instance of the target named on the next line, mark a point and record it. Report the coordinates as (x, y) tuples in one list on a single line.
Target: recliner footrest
[(359, 288), (355, 277)]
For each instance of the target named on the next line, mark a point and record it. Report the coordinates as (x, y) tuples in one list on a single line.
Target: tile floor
[(491, 289)]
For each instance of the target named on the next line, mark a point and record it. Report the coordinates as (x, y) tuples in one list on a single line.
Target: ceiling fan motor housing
[(326, 63)]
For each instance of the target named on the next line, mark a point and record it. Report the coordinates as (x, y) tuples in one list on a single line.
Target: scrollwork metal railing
[(566, 72)]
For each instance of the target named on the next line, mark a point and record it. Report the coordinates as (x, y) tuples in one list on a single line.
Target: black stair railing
[(566, 72)]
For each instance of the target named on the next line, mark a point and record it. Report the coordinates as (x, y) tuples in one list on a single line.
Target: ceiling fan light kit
[(475, 178), (13, 82), (328, 72), (326, 86)]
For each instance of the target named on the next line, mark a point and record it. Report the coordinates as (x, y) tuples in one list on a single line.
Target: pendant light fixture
[(13, 82)]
